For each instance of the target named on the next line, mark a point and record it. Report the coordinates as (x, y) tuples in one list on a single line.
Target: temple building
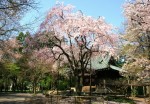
[(102, 73)]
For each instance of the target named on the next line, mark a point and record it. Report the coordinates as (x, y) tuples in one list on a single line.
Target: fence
[(60, 99)]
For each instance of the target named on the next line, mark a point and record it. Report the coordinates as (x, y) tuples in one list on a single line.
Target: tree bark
[(34, 87), (149, 92), (77, 84)]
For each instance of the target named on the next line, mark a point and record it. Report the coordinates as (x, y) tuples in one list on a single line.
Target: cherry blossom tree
[(34, 63), (8, 58), (137, 47), (73, 38), (9, 51), (137, 14)]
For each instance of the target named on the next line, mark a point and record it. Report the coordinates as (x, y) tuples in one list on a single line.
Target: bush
[(120, 99), (63, 85)]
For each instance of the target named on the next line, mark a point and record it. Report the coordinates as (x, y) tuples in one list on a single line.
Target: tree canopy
[(11, 11), (137, 37)]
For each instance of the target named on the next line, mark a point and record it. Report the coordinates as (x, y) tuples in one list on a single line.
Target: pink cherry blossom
[(76, 35)]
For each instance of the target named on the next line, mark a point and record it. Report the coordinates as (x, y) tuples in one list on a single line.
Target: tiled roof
[(98, 63)]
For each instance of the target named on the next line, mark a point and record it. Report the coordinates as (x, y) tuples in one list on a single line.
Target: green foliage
[(1, 81), (1, 68), (120, 99), (21, 38), (140, 90), (9, 69), (11, 66), (46, 81), (63, 85), (134, 92)]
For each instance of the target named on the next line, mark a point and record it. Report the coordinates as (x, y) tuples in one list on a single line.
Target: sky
[(112, 10)]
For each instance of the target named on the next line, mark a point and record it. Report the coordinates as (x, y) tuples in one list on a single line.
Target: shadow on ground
[(21, 98)]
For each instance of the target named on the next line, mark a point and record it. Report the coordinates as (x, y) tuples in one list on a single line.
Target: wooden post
[(104, 81), (144, 91), (75, 99), (90, 79)]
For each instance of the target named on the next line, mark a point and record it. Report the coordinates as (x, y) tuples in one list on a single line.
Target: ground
[(140, 100), (18, 98), (27, 98)]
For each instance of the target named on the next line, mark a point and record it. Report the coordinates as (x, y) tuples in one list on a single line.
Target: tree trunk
[(78, 84), (22, 86), (149, 92), (1, 88), (14, 87), (34, 87), (6, 85)]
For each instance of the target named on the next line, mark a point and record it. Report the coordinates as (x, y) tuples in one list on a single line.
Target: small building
[(104, 72)]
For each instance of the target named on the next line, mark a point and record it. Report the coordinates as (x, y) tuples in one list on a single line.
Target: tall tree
[(137, 13), (73, 37), (11, 11), (33, 66), (38, 66), (9, 57), (137, 49)]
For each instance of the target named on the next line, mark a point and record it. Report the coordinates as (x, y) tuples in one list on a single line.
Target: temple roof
[(99, 62)]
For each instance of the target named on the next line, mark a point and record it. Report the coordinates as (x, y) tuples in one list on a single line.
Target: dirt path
[(25, 98), (17, 98), (140, 100)]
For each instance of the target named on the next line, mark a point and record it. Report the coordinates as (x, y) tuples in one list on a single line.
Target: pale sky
[(110, 9)]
